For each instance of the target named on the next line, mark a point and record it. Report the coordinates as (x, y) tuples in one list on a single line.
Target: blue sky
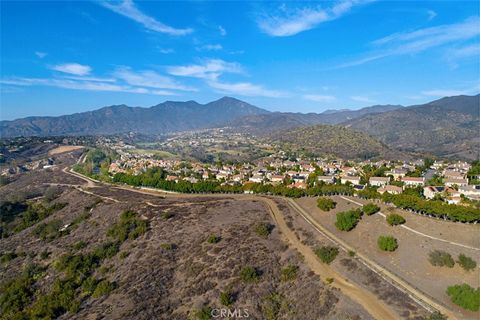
[(63, 57)]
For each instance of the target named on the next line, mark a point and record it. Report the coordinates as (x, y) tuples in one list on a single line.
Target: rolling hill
[(272, 121), (332, 140), (446, 127)]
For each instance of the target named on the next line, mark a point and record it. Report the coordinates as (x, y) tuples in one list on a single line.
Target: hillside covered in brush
[(330, 140)]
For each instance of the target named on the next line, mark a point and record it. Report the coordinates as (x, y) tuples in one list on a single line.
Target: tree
[(387, 243), (466, 263), (440, 258), (347, 220), (394, 219), (370, 209), (325, 204), (465, 296), (326, 253)]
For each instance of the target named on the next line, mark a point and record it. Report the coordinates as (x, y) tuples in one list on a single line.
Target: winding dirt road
[(377, 308)]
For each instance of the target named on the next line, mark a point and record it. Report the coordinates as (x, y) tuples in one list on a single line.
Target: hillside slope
[(445, 127), (330, 140), (268, 122)]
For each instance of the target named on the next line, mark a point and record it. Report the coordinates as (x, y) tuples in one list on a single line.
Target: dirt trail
[(370, 302), (367, 300), (381, 271)]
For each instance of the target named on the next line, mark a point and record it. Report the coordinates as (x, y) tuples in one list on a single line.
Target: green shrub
[(289, 273), (387, 243), (44, 255), (167, 215), (394, 219), (263, 229), (347, 220), (49, 231), (440, 258), (466, 263), (226, 297), (89, 285), (465, 296), (213, 239), (326, 204), (326, 253), (16, 294), (202, 314), (351, 253), (8, 256), (249, 274), (129, 227), (275, 306), (79, 245), (370, 209), (124, 254), (437, 316), (167, 246), (104, 287)]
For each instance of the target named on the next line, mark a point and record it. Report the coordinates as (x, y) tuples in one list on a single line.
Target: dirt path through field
[(377, 308), (372, 304)]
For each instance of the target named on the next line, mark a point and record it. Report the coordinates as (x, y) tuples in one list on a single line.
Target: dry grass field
[(410, 260)]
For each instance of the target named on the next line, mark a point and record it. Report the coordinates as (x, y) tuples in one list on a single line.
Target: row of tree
[(434, 208)]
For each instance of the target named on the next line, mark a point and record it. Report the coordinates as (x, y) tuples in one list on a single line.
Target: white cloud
[(319, 98), (128, 9), (362, 99), (474, 89), (166, 50), (40, 54), (290, 23), (472, 50), (420, 40), (210, 69), (210, 47), (72, 68), (82, 85), (149, 79), (222, 31), (245, 89), (431, 14)]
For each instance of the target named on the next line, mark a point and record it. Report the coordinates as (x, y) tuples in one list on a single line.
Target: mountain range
[(446, 127)]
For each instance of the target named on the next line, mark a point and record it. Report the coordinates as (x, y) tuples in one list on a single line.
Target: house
[(450, 182), (472, 192), (413, 181), (171, 178), (390, 189), (351, 179), (276, 178), (397, 173), (326, 179), (378, 181), (453, 174), (299, 185), (431, 191), (256, 178)]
